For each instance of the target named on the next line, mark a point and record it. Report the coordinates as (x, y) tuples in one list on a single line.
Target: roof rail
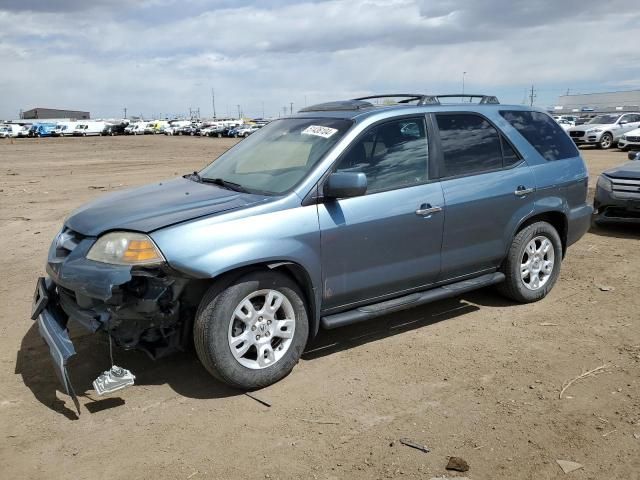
[(484, 99), (421, 98)]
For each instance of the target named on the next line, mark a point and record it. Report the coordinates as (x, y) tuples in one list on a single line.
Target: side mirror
[(345, 185), (633, 156), (622, 122)]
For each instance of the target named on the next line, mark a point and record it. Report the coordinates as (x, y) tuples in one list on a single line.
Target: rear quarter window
[(543, 133)]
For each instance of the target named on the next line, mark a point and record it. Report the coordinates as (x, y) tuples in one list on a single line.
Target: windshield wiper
[(223, 183)]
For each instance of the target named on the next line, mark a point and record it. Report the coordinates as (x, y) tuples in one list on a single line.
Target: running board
[(368, 312)]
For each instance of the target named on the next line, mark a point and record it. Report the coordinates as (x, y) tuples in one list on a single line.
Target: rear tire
[(224, 323), (533, 263)]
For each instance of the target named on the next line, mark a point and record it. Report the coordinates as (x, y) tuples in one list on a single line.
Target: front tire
[(533, 263), (606, 141), (253, 333)]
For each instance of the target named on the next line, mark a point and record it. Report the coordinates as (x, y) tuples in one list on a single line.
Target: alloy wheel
[(537, 263), (261, 329)]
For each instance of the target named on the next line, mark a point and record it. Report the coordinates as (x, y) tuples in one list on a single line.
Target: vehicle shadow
[(625, 231), (183, 371), (332, 341)]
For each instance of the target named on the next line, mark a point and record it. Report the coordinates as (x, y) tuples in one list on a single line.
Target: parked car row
[(609, 130), (220, 128)]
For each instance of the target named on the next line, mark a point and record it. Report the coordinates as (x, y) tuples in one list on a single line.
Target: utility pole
[(532, 95), (567, 92), (291, 108), (463, 75), (284, 111), (239, 116), (263, 110), (213, 102), (125, 113)]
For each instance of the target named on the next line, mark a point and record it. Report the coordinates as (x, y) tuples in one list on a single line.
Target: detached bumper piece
[(113, 380), (53, 329)]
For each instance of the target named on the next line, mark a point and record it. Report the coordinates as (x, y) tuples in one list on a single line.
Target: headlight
[(624, 137), (125, 248), (595, 130), (604, 183)]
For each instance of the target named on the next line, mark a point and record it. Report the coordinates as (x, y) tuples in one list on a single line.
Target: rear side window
[(543, 133), (470, 144)]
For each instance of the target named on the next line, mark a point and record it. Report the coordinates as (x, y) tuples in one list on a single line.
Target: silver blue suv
[(339, 214)]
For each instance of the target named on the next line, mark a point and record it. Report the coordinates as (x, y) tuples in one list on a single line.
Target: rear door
[(388, 241), (486, 186)]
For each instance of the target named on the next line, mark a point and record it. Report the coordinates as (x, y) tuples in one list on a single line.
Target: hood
[(158, 205), (589, 126), (626, 170)]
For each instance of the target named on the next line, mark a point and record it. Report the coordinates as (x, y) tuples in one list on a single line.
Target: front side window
[(631, 118), (392, 155), (543, 133), (275, 158), (470, 144)]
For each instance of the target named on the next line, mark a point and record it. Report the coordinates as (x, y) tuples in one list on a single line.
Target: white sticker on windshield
[(319, 131)]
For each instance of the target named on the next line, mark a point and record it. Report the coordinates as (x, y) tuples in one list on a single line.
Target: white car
[(10, 130), (605, 130), (565, 124), (135, 128), (247, 130), (630, 140), (88, 128)]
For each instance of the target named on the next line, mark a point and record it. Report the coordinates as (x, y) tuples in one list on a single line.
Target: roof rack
[(408, 97), (423, 99), (484, 99)]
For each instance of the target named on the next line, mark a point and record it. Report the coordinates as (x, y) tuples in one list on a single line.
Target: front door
[(388, 241)]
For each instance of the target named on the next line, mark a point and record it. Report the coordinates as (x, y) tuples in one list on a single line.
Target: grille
[(66, 241), (626, 187), (576, 133), (633, 139)]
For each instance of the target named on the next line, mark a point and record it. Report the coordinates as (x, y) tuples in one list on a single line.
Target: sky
[(163, 57)]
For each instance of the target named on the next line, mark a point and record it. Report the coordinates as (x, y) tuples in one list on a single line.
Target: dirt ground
[(476, 377)]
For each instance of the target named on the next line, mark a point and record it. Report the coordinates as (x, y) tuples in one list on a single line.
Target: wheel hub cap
[(261, 329), (537, 263)]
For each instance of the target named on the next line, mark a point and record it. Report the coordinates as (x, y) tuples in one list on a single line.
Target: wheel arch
[(293, 270), (556, 218)]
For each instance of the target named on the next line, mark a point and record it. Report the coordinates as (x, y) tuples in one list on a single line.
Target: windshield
[(276, 157), (604, 119)]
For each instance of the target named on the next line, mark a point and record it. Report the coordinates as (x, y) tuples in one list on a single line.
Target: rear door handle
[(522, 191), (427, 209)]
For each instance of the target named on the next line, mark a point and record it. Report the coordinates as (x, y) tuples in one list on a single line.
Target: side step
[(368, 312)]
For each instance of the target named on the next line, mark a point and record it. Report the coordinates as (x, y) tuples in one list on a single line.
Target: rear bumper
[(578, 223)]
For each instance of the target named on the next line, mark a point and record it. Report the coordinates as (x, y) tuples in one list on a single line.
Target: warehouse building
[(626, 101), (49, 113)]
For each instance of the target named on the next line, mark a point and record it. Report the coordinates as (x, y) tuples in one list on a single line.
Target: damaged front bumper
[(53, 329), (139, 308)]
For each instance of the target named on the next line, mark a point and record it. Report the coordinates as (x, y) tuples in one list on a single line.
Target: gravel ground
[(475, 377)]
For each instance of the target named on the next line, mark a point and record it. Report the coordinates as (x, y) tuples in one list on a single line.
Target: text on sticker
[(319, 131)]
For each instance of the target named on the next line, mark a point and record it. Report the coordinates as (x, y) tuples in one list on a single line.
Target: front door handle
[(427, 209), (522, 191)]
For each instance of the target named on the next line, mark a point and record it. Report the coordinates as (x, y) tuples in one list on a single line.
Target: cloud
[(164, 56)]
